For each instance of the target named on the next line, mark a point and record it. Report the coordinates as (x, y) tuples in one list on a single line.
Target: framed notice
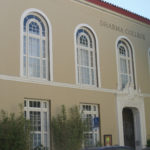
[(107, 140)]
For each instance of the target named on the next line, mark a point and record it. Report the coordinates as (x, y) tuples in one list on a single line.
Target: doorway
[(128, 127)]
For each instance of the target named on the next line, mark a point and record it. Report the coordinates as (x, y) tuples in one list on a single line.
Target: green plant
[(40, 147), (98, 144), (68, 129), (148, 143), (14, 131)]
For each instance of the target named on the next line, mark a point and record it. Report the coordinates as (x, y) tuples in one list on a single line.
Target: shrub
[(148, 143), (68, 131), (14, 132)]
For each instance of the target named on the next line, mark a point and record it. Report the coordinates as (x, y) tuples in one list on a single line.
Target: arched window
[(86, 57), (35, 47), (126, 64)]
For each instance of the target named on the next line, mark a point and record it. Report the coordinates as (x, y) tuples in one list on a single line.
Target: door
[(128, 127)]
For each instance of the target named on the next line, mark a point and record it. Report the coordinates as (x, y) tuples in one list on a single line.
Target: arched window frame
[(131, 71), (94, 40), (45, 20)]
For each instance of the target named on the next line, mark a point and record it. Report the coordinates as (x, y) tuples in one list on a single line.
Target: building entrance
[(128, 127), (131, 122)]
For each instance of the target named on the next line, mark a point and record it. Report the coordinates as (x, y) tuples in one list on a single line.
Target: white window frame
[(129, 46), (44, 108), (49, 44), (95, 56), (95, 131), (28, 35)]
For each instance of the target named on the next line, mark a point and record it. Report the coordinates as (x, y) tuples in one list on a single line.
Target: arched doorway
[(128, 127), (133, 109)]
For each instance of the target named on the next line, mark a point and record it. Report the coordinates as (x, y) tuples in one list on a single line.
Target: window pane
[(34, 28), (34, 47), (25, 114), (93, 76), (94, 108), (78, 56), (123, 65), (43, 49), (89, 37), (83, 41), (35, 104), (45, 140), (34, 67), (36, 140), (128, 52), (89, 139), (91, 55), (25, 103), (45, 121), (130, 79), (44, 69), (129, 68), (44, 104), (79, 76), (24, 65), (124, 80), (35, 118), (24, 45), (122, 51), (84, 57), (85, 75)]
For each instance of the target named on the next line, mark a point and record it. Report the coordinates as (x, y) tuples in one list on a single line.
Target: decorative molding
[(74, 86)]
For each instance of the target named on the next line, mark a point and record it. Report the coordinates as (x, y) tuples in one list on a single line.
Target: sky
[(140, 7)]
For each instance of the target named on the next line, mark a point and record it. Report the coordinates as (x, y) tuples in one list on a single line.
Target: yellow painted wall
[(65, 16)]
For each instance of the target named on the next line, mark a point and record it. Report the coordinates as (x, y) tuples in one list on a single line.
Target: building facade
[(77, 52)]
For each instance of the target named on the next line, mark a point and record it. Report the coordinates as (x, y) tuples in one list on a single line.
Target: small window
[(38, 113), (86, 57), (90, 113)]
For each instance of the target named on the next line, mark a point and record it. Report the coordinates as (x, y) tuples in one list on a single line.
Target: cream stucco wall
[(65, 16)]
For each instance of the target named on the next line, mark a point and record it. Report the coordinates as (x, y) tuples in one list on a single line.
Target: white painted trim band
[(68, 85)]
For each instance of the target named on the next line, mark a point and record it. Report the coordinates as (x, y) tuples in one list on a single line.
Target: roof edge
[(120, 10)]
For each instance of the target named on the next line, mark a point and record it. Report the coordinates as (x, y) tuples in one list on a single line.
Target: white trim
[(67, 85), (40, 109), (117, 60), (97, 52), (24, 14)]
